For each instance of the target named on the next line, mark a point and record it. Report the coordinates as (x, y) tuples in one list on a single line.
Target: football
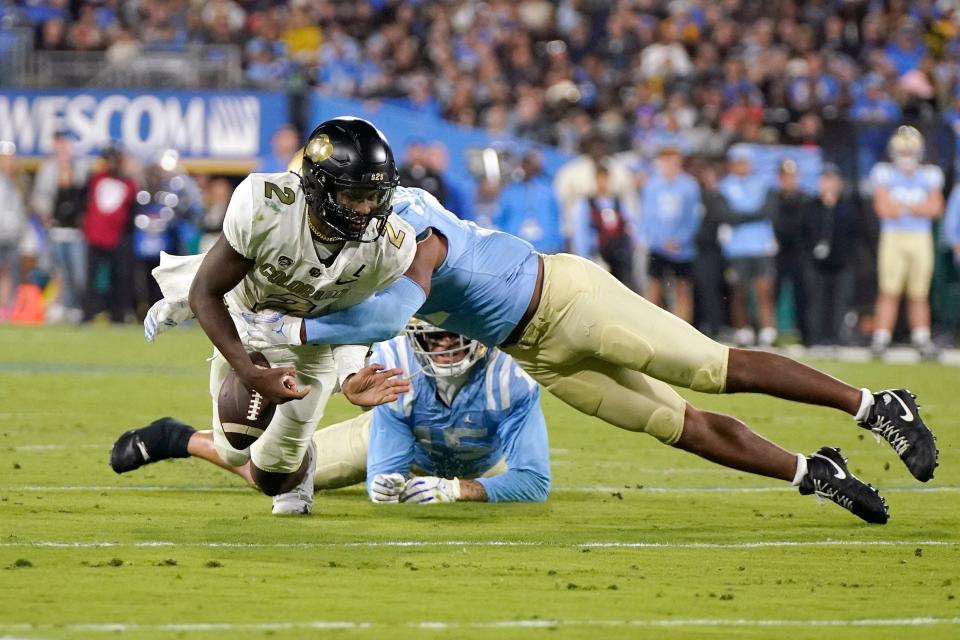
[(244, 414)]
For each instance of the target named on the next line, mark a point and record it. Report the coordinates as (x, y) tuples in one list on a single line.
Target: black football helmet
[(348, 176)]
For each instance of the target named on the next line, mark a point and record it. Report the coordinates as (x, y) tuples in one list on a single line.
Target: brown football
[(244, 414)]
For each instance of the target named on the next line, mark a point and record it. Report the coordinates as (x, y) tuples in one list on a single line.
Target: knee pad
[(338, 474), (624, 347), (578, 394), (665, 425)]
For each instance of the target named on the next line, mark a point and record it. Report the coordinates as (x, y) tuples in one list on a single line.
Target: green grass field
[(637, 540)]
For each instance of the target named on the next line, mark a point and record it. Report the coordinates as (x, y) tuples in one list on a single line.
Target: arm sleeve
[(391, 445), (524, 437), (349, 359), (380, 317)]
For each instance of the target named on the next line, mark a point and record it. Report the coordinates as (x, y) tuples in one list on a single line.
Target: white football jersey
[(266, 221)]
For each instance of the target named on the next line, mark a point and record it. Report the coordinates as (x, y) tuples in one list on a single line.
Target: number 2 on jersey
[(395, 237), (286, 196)]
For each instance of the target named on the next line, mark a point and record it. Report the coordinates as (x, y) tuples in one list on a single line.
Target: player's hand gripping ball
[(244, 414)]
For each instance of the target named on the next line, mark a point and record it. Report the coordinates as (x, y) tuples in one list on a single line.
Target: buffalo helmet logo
[(319, 149)]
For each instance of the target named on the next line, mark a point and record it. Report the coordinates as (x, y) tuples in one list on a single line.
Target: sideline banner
[(214, 126)]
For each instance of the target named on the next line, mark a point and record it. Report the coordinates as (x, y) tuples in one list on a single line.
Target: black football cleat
[(161, 439), (895, 417), (829, 478), (129, 452)]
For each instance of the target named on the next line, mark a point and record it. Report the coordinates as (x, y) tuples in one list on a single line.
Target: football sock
[(881, 338), (801, 469), (920, 336), (166, 438), (866, 401)]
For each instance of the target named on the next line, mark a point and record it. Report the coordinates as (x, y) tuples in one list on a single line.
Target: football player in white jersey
[(907, 197), (303, 244)]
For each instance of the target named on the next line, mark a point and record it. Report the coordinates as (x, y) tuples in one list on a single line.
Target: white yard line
[(428, 625), (639, 488), (760, 544)]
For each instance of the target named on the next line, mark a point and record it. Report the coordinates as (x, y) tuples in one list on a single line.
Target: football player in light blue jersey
[(907, 197), (469, 429), (609, 353), (471, 412)]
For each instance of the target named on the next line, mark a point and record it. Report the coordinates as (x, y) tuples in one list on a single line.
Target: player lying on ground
[(470, 413), (303, 246), (608, 352)]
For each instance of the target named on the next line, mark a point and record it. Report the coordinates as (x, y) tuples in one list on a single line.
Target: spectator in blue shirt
[(906, 49), (529, 208), (813, 89), (749, 249), (671, 209)]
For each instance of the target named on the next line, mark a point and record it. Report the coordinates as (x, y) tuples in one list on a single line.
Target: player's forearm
[(931, 208), (213, 316), (885, 206), (472, 491), (378, 318), (516, 485)]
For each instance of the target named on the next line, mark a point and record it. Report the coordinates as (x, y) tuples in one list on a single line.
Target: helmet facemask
[(348, 176), (441, 353), (351, 210)]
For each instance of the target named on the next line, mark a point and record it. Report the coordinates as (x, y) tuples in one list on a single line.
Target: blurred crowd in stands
[(702, 74), (660, 100)]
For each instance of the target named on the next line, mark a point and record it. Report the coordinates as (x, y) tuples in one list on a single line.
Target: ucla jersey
[(907, 189), (495, 415), (485, 284)]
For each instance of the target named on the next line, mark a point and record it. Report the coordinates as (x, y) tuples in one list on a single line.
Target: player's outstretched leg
[(164, 439), (892, 415), (727, 441), (299, 500), (161, 439)]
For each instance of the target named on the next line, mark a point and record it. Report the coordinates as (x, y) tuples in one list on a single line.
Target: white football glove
[(270, 329), (165, 314), (430, 489), (386, 487)]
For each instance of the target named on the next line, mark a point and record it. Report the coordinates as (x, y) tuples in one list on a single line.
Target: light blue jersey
[(746, 195), (495, 415), (485, 284), (671, 211), (907, 189)]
